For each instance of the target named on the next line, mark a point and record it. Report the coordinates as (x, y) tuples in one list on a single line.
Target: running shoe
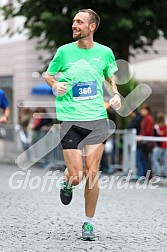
[(66, 193), (87, 232)]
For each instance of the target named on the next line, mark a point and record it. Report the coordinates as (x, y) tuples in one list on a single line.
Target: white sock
[(89, 220)]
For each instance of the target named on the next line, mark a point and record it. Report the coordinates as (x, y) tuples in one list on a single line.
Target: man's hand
[(115, 102), (60, 88)]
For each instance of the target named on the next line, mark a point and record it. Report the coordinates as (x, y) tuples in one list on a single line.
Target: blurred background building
[(150, 68), (19, 66)]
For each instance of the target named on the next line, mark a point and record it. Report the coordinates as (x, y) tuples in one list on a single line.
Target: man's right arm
[(59, 87)]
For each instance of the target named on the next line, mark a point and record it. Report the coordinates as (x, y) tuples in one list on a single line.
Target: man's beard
[(80, 36), (77, 37)]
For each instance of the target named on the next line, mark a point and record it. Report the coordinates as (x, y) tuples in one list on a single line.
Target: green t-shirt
[(84, 70)]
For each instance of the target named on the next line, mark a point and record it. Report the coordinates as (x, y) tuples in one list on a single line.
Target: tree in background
[(124, 24)]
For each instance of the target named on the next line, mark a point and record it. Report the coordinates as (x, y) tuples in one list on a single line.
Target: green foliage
[(125, 89), (123, 23)]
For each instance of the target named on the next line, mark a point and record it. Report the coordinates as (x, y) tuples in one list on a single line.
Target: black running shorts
[(75, 135)]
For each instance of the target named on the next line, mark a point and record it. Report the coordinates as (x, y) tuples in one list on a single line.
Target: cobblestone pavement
[(129, 220)]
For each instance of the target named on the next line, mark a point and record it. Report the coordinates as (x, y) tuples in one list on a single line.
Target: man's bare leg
[(92, 184), (73, 174), (74, 163)]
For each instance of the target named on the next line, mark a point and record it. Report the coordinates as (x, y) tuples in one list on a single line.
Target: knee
[(75, 179), (91, 173)]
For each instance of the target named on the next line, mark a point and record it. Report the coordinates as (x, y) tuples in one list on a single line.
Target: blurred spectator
[(106, 160), (159, 156), (135, 120), (24, 118), (144, 148), (24, 129), (4, 105), (40, 126)]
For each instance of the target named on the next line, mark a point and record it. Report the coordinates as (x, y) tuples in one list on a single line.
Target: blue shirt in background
[(3, 100)]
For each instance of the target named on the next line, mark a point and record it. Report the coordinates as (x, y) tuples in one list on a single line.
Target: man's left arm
[(5, 116), (115, 101)]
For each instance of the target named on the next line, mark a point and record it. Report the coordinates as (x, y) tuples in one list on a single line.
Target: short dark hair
[(94, 18), (145, 106)]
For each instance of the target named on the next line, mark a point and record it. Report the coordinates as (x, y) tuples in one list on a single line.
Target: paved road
[(34, 220)]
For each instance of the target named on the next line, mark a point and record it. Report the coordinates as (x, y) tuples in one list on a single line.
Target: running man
[(4, 105), (83, 64)]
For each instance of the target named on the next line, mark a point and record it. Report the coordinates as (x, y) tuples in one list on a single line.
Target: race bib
[(84, 90)]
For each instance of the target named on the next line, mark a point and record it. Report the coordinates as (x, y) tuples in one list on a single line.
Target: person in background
[(24, 130), (4, 105), (40, 126), (106, 160), (159, 155), (135, 120), (144, 148)]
